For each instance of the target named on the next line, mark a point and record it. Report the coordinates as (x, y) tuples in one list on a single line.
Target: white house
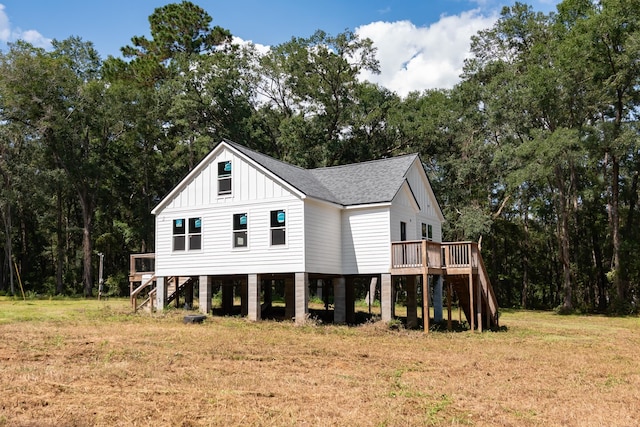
[(242, 215)]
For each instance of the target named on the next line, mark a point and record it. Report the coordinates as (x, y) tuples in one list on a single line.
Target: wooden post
[(412, 303), (472, 322), (478, 304), (449, 295), (425, 300)]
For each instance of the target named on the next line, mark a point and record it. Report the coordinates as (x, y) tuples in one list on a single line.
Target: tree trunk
[(564, 242), (59, 246), (87, 249), (7, 246), (525, 253)]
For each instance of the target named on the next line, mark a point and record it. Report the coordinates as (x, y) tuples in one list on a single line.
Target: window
[(403, 231), (224, 178), (195, 233), (427, 231), (178, 234), (240, 230), (278, 228)]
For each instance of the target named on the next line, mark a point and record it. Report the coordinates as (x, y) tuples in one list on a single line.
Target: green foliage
[(534, 153)]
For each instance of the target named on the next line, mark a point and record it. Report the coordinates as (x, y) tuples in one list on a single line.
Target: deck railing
[(141, 276), (416, 253), (423, 253), (140, 264)]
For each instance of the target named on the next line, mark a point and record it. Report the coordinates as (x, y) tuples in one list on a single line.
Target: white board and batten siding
[(323, 237), (366, 247), (255, 194), (429, 212)]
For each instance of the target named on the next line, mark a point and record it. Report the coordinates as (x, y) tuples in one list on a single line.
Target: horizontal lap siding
[(366, 241), (323, 239), (254, 193)]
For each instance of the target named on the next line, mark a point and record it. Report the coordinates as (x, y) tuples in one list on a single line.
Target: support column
[(289, 298), (253, 297), (412, 304), (188, 295), (425, 301), (449, 296), (350, 297), (371, 295), (227, 297), (339, 300), (437, 300), (243, 297), (472, 317), (386, 297), (301, 297), (320, 289), (204, 294), (478, 303), (267, 288), (161, 293)]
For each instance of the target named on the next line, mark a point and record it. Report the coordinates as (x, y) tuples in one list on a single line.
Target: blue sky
[(422, 42)]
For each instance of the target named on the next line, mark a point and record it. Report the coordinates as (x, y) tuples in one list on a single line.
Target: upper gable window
[(278, 228), (224, 178)]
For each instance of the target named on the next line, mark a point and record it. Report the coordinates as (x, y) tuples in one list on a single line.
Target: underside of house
[(443, 273)]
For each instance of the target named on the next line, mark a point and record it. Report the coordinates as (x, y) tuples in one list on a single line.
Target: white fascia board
[(369, 205)]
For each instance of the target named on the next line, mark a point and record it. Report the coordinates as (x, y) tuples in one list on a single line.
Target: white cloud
[(9, 34), (5, 29), (419, 58)]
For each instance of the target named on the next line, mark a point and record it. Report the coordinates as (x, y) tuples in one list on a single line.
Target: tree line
[(535, 153)]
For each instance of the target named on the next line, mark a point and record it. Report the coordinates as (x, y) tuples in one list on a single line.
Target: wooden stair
[(148, 300), (489, 303)]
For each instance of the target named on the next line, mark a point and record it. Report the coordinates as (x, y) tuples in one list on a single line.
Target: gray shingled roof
[(376, 181)]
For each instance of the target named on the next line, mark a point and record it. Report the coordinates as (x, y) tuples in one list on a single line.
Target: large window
[(278, 227), (240, 230), (195, 233), (180, 234), (224, 178), (179, 231)]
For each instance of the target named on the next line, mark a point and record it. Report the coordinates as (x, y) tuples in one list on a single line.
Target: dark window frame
[(278, 228), (195, 234), (179, 235), (240, 230), (224, 178)]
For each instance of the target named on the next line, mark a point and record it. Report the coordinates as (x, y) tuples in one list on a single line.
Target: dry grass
[(66, 363)]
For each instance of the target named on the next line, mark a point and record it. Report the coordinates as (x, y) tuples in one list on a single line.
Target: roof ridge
[(244, 147), (365, 162)]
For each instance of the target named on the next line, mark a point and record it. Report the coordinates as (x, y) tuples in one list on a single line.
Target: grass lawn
[(94, 363)]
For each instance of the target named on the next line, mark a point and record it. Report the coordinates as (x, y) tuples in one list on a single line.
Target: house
[(242, 216)]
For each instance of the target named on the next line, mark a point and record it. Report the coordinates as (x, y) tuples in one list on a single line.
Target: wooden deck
[(464, 272)]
